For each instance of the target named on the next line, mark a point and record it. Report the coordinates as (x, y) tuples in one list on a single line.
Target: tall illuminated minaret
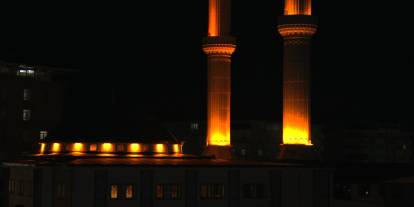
[(219, 46), (297, 26)]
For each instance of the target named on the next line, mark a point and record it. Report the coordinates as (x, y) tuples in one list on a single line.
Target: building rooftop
[(170, 161)]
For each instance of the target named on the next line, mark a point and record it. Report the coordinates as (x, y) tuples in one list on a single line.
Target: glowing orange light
[(298, 7), (296, 108), (78, 147), (213, 18), (160, 148), (42, 148), (135, 148), (107, 147), (219, 92), (176, 148), (56, 147), (92, 147)]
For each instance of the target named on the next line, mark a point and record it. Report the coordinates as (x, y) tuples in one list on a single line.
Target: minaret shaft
[(219, 47), (298, 7), (219, 18), (297, 26)]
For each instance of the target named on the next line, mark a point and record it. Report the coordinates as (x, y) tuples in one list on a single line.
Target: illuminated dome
[(118, 138)]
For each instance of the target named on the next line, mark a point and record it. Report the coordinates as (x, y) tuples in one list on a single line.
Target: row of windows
[(118, 190), (172, 191), (25, 73), (23, 188)]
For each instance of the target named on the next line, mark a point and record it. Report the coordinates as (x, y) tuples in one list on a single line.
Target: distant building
[(369, 144), (372, 185), (30, 104)]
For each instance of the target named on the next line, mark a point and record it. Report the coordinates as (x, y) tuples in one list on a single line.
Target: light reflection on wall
[(176, 148), (298, 7), (107, 147), (78, 147), (56, 147), (134, 147), (42, 148), (160, 148)]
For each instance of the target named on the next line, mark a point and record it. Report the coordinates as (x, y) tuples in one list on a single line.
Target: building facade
[(30, 104), (166, 182)]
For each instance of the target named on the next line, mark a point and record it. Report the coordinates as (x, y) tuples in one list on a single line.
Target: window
[(364, 190), (194, 126), (30, 73), (60, 191), (12, 186), (43, 135), (21, 72), (129, 192), (92, 147), (26, 94), (120, 148), (114, 192), (243, 152), (212, 191), (254, 191), (168, 192), (26, 114), (21, 188)]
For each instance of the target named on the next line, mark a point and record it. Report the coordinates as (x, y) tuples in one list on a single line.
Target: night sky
[(149, 55)]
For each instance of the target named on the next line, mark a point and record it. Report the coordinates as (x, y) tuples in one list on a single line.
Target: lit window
[(26, 94), (114, 192), (30, 72), (42, 148), (194, 126), (56, 147), (43, 135), (254, 191), (212, 191), (77, 147), (159, 194), (92, 147), (134, 147), (21, 72), (168, 192), (107, 147), (60, 191), (129, 192), (243, 152), (26, 114)]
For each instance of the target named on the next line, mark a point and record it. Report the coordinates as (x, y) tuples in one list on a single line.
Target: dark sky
[(150, 55)]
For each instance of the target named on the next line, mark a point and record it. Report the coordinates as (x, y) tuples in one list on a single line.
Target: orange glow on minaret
[(219, 47), (298, 7), (297, 26)]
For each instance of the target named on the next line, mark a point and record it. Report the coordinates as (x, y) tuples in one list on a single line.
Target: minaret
[(219, 46), (297, 26)]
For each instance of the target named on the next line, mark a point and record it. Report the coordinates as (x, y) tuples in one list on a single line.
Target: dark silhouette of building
[(30, 105)]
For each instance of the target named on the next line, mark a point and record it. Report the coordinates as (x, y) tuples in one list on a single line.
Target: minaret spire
[(219, 47)]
